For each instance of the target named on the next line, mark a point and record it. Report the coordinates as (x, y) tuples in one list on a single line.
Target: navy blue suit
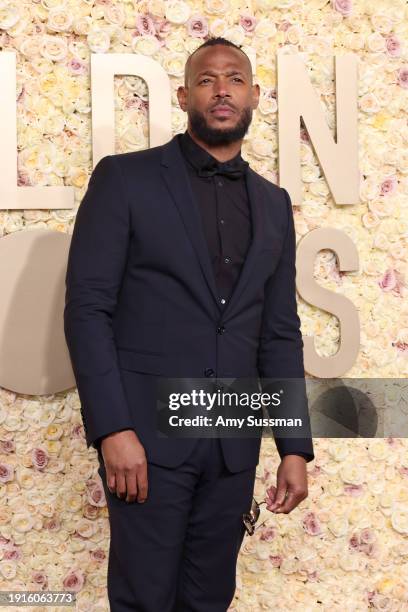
[(141, 302)]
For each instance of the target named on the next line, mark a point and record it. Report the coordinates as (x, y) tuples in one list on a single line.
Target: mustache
[(223, 104)]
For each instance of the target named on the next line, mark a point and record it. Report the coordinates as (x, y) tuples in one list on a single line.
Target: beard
[(217, 136)]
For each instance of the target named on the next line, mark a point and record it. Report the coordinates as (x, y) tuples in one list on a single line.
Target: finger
[(111, 481), (290, 502), (280, 497), (293, 499), (142, 484), (131, 486), (120, 484)]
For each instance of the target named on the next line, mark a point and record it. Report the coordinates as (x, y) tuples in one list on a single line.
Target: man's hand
[(126, 465), (292, 482)]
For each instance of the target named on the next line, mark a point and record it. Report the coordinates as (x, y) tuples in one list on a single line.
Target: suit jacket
[(142, 303)]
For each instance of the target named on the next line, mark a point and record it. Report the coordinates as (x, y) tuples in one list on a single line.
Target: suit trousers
[(177, 551)]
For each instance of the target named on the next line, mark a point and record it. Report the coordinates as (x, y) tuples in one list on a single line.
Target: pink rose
[(247, 22), (40, 578), (12, 553), (163, 27), (145, 25), (353, 490), (388, 281), (403, 77), (7, 447), (403, 348), (311, 524), (197, 26), (393, 46), (284, 25), (354, 542), (95, 493), (52, 524), (133, 102), (90, 512), (276, 560), (345, 7), (77, 431), (40, 458), (74, 581), (304, 136), (6, 473), (77, 67), (98, 554), (268, 534), (367, 536), (389, 186)]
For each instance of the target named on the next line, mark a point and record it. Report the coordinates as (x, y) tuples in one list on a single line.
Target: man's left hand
[(291, 484)]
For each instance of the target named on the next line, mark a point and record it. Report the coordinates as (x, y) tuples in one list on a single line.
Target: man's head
[(218, 94)]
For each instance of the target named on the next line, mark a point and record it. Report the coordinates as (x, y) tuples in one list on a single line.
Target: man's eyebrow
[(212, 73)]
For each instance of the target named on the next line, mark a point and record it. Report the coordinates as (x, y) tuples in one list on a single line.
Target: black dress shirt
[(225, 211)]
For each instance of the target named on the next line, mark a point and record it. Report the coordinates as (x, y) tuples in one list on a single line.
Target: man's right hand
[(125, 464)]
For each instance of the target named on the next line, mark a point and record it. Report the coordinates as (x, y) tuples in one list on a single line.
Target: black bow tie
[(234, 169)]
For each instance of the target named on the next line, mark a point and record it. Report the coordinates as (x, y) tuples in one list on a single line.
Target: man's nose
[(221, 89)]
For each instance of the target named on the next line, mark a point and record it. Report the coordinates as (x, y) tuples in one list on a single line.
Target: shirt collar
[(199, 157)]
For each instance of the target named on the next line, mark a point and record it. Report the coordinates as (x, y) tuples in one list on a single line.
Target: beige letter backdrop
[(81, 79)]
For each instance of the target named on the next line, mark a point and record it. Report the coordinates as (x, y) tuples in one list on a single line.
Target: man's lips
[(222, 111)]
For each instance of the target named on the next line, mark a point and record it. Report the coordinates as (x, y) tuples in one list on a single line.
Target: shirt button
[(223, 301), (209, 372), (227, 260)]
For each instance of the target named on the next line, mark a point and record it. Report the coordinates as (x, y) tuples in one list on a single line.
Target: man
[(182, 264)]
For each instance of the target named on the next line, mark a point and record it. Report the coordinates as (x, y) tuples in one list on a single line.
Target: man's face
[(219, 96)]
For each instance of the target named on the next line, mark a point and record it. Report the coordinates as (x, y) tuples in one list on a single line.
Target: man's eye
[(238, 78), (202, 80)]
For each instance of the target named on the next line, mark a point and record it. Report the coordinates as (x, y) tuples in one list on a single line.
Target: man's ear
[(182, 97), (256, 91)]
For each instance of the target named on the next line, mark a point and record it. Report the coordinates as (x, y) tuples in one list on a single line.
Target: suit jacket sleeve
[(281, 345), (96, 263)]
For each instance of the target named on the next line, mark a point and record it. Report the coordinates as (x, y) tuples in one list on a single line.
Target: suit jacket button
[(220, 330), (209, 372)]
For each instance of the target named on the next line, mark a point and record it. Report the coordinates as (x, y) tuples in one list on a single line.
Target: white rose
[(217, 7), (399, 520), (115, 14), (9, 15), (369, 103), (218, 27), (146, 45), (265, 29), (235, 34), (59, 20), (178, 120), (174, 63), (98, 40), (352, 474), (177, 11), (54, 48), (381, 23), (375, 42), (339, 526), (82, 25), (267, 102), (261, 147)]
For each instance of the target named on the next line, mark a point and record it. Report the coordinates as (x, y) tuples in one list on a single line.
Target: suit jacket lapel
[(177, 180), (256, 203)]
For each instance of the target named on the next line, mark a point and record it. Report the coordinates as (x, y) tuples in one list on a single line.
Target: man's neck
[(222, 153)]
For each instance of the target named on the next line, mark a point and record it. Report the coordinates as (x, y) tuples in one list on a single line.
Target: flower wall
[(346, 546)]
